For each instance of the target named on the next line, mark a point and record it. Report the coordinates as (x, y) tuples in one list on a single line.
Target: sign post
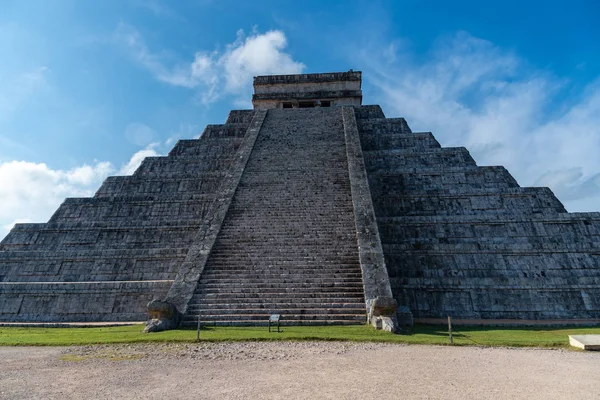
[(273, 319)]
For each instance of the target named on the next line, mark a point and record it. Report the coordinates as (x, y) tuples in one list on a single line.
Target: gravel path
[(296, 370)]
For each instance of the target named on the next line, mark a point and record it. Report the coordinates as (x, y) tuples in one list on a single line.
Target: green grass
[(419, 334)]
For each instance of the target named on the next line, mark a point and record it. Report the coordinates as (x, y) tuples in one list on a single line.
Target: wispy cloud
[(158, 65), (32, 191), (215, 73), (472, 93)]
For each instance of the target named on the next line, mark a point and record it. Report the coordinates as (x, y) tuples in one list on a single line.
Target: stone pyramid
[(314, 207)]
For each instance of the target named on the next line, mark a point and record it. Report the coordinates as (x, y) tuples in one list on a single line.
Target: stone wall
[(267, 214), (467, 241), (78, 301), (103, 258), (342, 88)]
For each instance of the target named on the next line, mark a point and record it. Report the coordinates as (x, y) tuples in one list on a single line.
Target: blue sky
[(87, 89)]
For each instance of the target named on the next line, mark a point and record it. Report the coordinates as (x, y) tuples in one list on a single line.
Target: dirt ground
[(296, 370)]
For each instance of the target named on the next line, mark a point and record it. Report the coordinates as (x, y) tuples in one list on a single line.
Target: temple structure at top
[(307, 90), (315, 207)]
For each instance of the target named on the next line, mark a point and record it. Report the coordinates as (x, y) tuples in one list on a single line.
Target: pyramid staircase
[(288, 243)]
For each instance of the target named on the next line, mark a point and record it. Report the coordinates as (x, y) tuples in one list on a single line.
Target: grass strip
[(419, 334)]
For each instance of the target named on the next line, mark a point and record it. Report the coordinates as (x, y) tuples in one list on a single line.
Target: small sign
[(274, 318)]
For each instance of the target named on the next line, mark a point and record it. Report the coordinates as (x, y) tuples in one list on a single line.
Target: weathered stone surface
[(467, 241), (163, 316), (376, 283), (383, 306), (324, 215), (288, 243), (333, 89), (78, 301), (104, 258), (192, 267), (404, 316)]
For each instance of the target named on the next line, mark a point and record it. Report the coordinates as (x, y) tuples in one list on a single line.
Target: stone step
[(246, 269), (128, 186), (206, 145), (281, 284), (87, 225), (163, 166), (287, 227), (191, 322), (257, 266), (276, 309), (225, 130), (516, 232), (588, 218), (240, 117), (287, 267), (211, 146), (426, 169), (288, 212), (115, 244), (374, 121), (217, 274), (389, 141), (284, 225), (266, 291), (483, 279), (410, 182), (302, 240), (391, 160), (355, 303), (480, 201), (300, 254), (268, 272), (87, 254), (100, 238), (295, 178), (284, 316), (543, 246), (317, 206), (280, 295), (306, 256), (273, 282), (214, 278), (259, 263), (167, 198), (580, 256), (303, 251)]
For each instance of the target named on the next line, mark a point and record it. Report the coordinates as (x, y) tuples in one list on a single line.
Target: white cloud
[(572, 184), (33, 191), (217, 73), (137, 158), (471, 93), (130, 37), (254, 55), (87, 175)]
